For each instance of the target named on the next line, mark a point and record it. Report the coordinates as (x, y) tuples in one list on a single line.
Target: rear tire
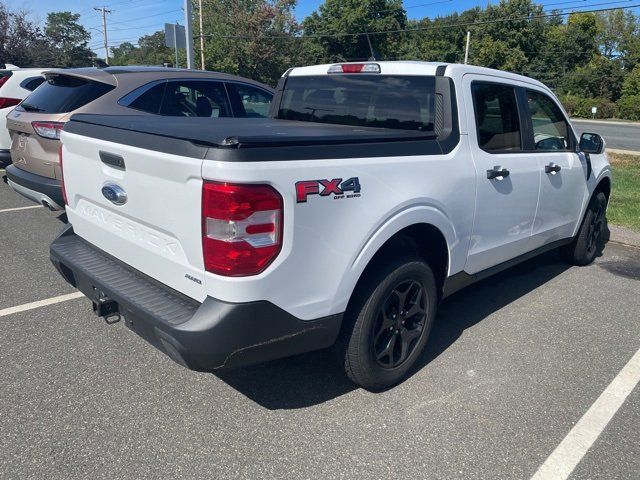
[(388, 323), (584, 248)]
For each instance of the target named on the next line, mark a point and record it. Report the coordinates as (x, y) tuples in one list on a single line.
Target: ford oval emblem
[(114, 193)]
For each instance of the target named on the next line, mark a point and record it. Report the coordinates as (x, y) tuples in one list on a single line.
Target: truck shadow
[(314, 378)]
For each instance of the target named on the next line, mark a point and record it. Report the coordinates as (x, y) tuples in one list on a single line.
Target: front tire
[(583, 250), (389, 323)]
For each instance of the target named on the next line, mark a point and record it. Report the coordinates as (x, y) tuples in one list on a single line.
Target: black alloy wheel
[(399, 324), (596, 227)]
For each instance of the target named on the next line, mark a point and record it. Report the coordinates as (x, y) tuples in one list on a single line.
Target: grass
[(624, 209)]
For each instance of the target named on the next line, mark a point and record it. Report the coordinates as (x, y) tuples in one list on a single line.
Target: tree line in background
[(590, 59), (62, 42)]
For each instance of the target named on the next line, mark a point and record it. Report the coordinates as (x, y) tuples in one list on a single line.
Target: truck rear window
[(385, 101), (62, 94)]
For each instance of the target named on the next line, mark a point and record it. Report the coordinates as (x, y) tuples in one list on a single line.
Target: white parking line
[(40, 303), (20, 208), (575, 445)]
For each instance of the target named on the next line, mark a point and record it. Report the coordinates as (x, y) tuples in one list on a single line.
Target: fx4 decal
[(335, 187)]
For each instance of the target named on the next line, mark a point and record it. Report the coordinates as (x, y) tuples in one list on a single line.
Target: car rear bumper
[(200, 336), (5, 157), (43, 190)]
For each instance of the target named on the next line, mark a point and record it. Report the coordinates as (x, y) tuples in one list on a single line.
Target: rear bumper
[(200, 336), (5, 157), (42, 190)]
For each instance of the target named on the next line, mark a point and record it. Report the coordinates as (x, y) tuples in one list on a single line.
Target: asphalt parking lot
[(513, 365)]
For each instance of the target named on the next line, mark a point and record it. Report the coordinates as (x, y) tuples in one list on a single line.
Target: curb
[(624, 235), (622, 152), (607, 122)]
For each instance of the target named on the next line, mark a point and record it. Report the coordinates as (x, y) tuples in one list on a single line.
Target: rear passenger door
[(563, 171), (508, 177)]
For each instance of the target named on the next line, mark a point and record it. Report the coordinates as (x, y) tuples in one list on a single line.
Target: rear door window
[(384, 101), (255, 101), (149, 101), (497, 118), (62, 94), (195, 98)]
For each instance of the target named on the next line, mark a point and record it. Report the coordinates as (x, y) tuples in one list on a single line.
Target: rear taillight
[(241, 228), (64, 191), (48, 129), (9, 102), (4, 79)]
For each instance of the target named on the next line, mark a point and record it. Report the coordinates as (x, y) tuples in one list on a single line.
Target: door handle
[(112, 159), (497, 173), (552, 168)]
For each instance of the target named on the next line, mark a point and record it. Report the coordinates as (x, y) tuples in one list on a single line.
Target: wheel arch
[(424, 232), (420, 239), (604, 186)]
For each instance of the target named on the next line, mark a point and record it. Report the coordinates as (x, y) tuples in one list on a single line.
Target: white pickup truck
[(374, 191)]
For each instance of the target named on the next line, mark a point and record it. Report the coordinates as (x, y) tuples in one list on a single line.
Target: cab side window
[(497, 119), (550, 128)]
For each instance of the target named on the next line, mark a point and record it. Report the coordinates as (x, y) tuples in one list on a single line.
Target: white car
[(374, 190), (15, 85)]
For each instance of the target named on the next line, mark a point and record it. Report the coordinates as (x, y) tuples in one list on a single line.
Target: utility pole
[(104, 31), (188, 31), (201, 36), (175, 44), (466, 50)]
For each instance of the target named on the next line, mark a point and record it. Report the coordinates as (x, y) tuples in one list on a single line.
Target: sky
[(131, 19)]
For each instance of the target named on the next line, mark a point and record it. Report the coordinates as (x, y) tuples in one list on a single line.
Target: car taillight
[(8, 102), (64, 191), (241, 228), (354, 68), (4, 79), (48, 129)]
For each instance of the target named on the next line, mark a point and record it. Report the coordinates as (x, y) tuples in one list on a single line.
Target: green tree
[(21, 40), (123, 53), (617, 34), (631, 83), (253, 38), (601, 77), (567, 46), (151, 50), (440, 39), (518, 33), (340, 19), (69, 40)]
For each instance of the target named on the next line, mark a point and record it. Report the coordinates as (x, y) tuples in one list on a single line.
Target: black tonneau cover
[(256, 140), (245, 132)]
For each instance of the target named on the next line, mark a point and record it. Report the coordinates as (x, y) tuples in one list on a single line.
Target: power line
[(554, 13), (146, 16), (137, 28)]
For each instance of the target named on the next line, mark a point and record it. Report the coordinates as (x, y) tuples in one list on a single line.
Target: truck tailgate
[(158, 229)]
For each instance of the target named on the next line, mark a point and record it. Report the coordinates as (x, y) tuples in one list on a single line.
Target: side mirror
[(591, 143)]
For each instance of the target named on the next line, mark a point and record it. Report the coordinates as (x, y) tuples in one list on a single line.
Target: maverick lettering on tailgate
[(324, 188)]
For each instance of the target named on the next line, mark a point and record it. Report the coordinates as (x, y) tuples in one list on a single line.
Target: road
[(513, 363), (617, 135)]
